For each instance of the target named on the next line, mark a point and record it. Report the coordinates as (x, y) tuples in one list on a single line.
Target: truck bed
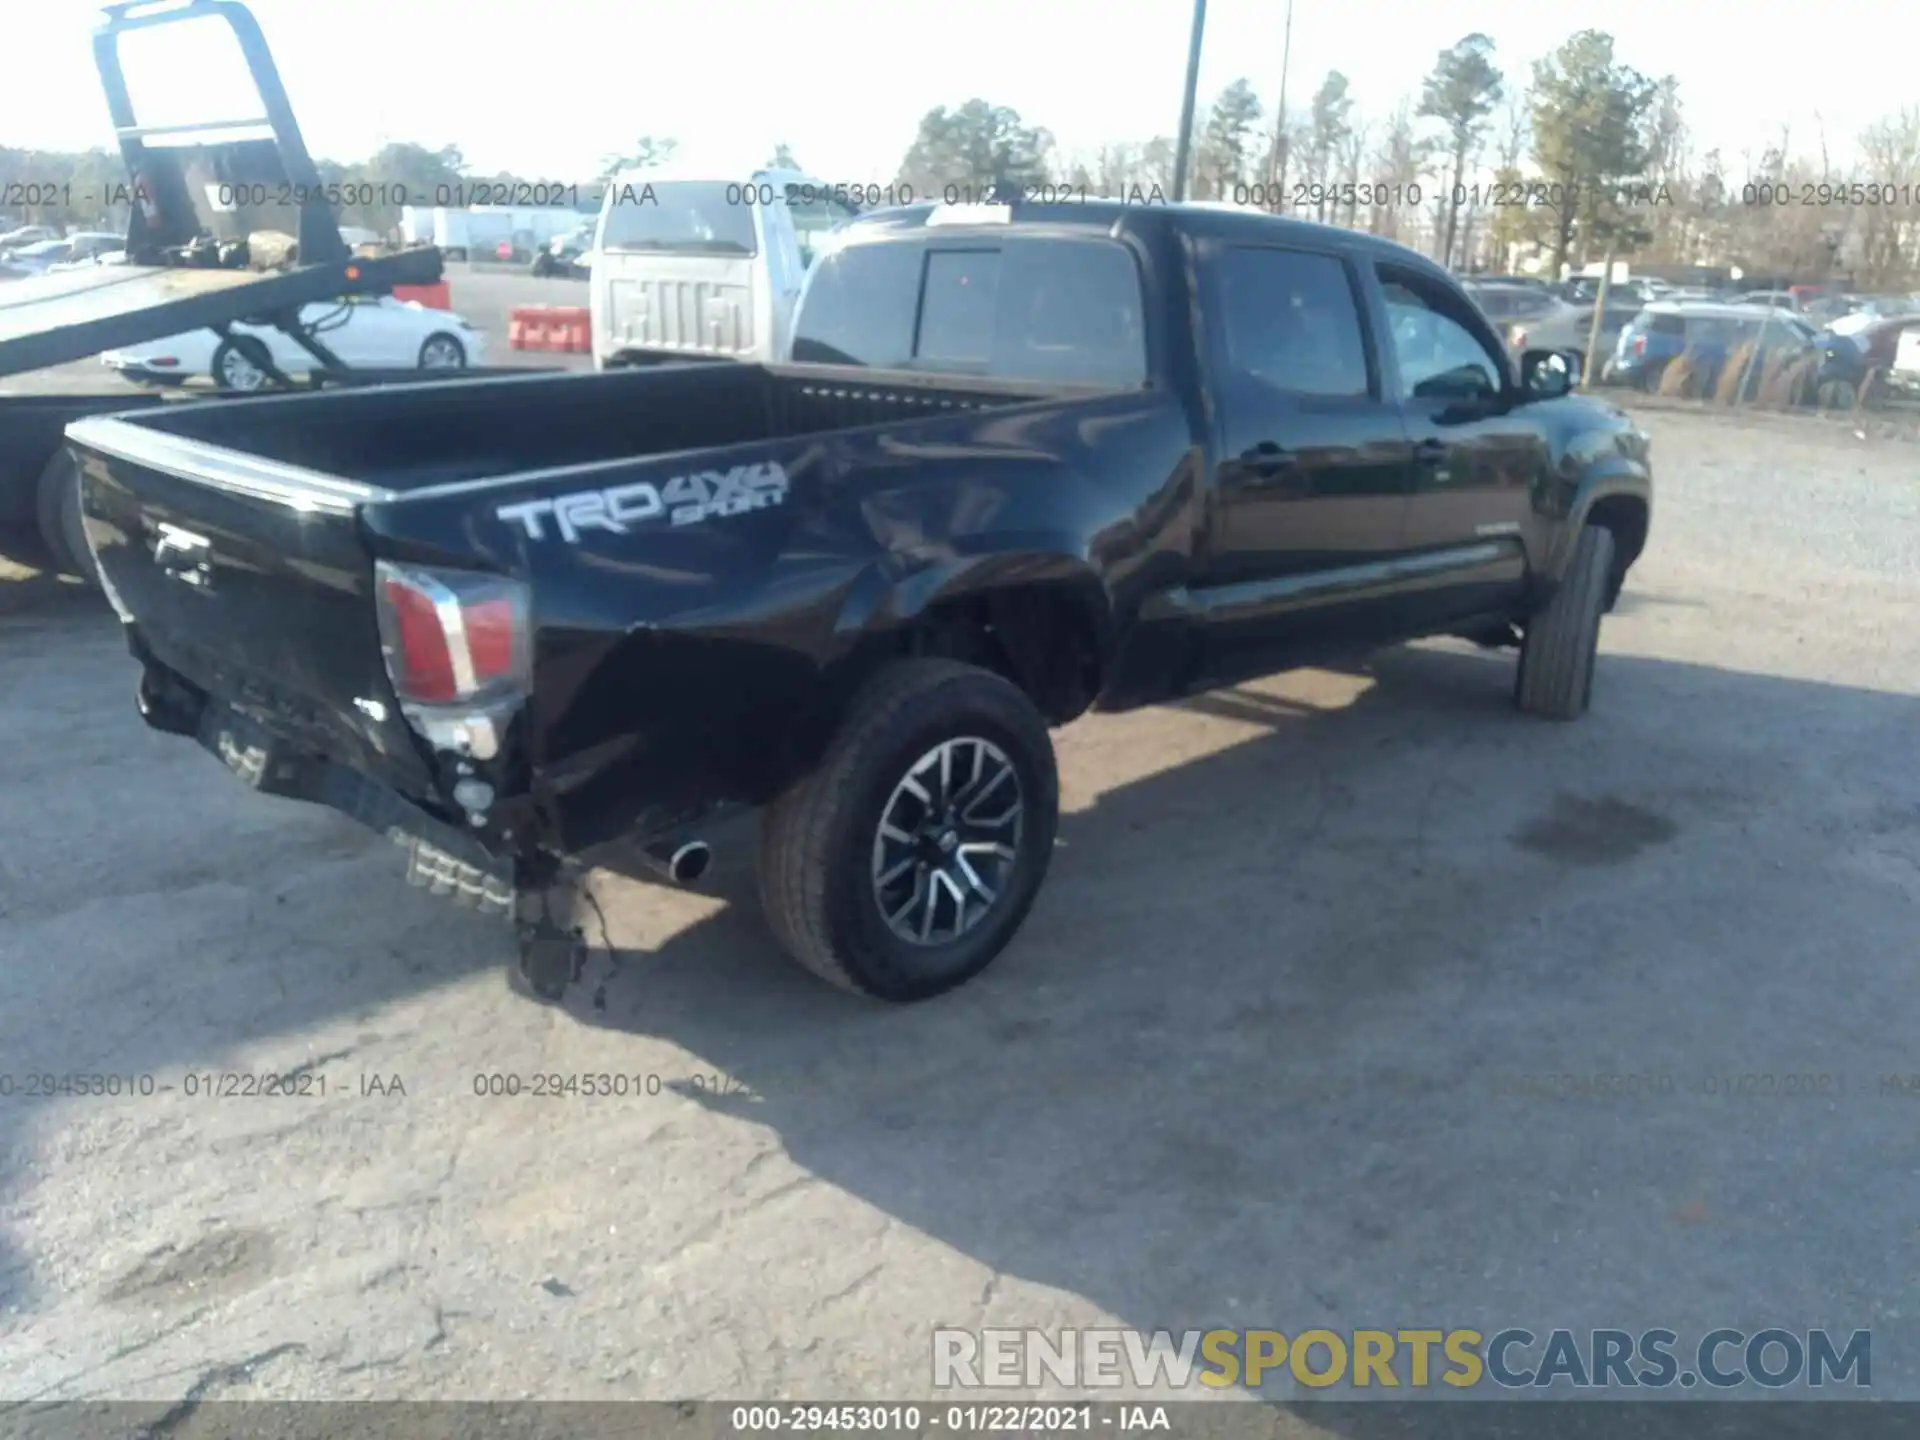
[(238, 541), (378, 445)]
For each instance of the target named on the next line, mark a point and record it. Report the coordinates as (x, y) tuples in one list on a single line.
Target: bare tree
[(1329, 122), (1397, 163), (1353, 151), (1890, 155), (1461, 93)]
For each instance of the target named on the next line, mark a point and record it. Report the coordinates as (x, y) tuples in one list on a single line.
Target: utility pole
[(1277, 155), (1184, 145)]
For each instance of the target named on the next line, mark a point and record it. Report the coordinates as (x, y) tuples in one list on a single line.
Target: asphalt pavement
[(1303, 1030)]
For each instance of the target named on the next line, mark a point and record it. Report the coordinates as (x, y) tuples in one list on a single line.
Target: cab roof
[(1116, 217)]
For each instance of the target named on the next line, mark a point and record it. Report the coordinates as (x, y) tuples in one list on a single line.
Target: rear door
[(1478, 454), (1314, 465)]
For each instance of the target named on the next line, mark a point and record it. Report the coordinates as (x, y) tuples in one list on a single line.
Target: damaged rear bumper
[(441, 857)]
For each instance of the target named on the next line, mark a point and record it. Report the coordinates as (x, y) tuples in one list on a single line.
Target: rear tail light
[(453, 637), (1519, 338), (1640, 345)]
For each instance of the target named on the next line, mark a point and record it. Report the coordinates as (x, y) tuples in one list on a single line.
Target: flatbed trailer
[(183, 273)]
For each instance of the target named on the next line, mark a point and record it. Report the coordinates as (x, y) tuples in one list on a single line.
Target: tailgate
[(249, 579)]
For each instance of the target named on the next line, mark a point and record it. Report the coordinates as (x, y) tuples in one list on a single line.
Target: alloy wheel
[(948, 840)]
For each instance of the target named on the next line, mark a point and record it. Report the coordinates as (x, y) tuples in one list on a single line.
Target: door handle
[(1430, 452), (1267, 461)]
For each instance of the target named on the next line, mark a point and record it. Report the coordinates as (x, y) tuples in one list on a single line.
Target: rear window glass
[(958, 309), (681, 217), (1667, 325), (1064, 312), (1289, 319), (1060, 311), (858, 307)]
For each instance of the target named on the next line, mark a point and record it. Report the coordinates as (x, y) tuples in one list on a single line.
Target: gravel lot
[(1251, 1062)]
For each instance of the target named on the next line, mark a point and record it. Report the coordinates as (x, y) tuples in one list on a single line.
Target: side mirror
[(1548, 374)]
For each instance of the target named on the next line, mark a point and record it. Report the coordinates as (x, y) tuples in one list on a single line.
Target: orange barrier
[(434, 297), (565, 328)]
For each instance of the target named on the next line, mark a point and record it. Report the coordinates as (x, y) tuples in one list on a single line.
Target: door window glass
[(1439, 356)]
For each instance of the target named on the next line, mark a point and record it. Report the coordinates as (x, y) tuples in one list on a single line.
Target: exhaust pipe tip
[(688, 863), (681, 861)]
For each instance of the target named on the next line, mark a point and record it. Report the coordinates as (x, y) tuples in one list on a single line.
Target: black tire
[(1836, 395), (241, 348), (57, 509), (1555, 679), (817, 841)]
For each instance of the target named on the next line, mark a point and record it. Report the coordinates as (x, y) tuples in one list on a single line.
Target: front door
[(1310, 488), (1480, 455)]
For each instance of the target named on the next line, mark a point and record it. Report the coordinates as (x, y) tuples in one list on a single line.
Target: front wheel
[(904, 862), (1836, 395), (442, 352), (1556, 658)]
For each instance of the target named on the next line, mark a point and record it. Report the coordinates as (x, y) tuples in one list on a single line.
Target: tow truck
[(230, 224)]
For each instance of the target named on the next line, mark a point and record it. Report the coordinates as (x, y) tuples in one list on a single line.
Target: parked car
[(45, 255), (1860, 359), (90, 259), (1503, 303), (1903, 377), (1570, 330), (563, 254), (1537, 282), (1707, 333), (1585, 290), (25, 235), (35, 259), (1866, 310), (1032, 460), (364, 331), (1774, 299)]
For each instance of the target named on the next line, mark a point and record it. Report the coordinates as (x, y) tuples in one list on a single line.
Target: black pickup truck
[(1026, 461)]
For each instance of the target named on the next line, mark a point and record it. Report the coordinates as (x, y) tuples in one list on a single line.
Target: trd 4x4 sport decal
[(683, 500)]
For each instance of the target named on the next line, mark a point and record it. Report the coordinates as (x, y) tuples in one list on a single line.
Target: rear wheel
[(1555, 680), (242, 364), (902, 865), (62, 529)]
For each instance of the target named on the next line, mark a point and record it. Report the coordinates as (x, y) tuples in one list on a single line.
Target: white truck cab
[(688, 266)]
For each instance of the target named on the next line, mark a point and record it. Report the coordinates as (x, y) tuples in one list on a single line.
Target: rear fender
[(884, 606)]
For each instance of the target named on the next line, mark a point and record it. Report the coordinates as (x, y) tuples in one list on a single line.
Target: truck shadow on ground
[(1243, 1066)]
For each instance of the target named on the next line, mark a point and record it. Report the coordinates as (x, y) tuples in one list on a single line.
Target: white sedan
[(365, 331)]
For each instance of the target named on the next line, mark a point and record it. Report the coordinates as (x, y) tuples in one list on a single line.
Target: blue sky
[(547, 88)]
